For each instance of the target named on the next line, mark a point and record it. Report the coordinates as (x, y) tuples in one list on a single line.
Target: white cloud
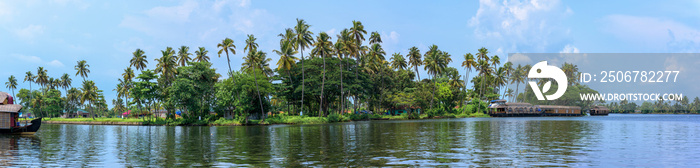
[(30, 32), (55, 63), (331, 32), (527, 26), (30, 59), (569, 49), (177, 14), (519, 59), (202, 20), (655, 33)]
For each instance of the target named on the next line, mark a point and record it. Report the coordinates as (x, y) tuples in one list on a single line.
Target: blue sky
[(56, 34)]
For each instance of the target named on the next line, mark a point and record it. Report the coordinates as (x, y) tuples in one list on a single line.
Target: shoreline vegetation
[(325, 77), (273, 120)]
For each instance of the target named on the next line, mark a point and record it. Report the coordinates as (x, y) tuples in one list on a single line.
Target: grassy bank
[(278, 119)]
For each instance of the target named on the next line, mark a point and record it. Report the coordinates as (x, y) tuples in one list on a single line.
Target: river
[(619, 140)]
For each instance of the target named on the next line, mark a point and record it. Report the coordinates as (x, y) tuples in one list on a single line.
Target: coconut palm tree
[(183, 55), (139, 60), (89, 94), (375, 38), (398, 62), (468, 64), (482, 56), (302, 40), (323, 48), (11, 84), (82, 69), (253, 61), (227, 47), (495, 61), (167, 65), (414, 59), (357, 32), (517, 78), (287, 60), (434, 64), (201, 55), (29, 77), (508, 70), (526, 69)]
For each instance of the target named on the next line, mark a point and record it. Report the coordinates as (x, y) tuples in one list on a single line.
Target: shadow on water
[(16, 150)]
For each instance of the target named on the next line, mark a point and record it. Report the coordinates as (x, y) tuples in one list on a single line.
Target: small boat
[(9, 118)]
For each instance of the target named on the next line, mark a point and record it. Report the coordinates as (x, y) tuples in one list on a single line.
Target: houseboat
[(599, 111), (9, 118), (500, 108)]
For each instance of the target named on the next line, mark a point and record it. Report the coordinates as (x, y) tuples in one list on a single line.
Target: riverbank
[(272, 120)]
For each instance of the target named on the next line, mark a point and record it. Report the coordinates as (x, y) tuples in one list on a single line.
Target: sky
[(55, 34)]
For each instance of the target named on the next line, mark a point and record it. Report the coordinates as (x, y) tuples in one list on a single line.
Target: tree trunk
[(323, 83), (434, 87), (302, 79), (262, 110), (290, 81), (342, 97), (416, 67), (517, 86)]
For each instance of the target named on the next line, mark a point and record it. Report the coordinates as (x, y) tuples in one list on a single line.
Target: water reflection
[(490, 142)]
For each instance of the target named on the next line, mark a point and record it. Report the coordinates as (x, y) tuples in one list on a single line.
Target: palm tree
[(251, 46), (227, 46), (468, 64), (139, 60), (302, 40), (508, 70), (82, 69), (167, 65), (288, 35), (128, 77), (183, 55), (398, 62), (375, 38), (526, 69), (42, 79), (414, 59), (435, 63), (11, 84), (323, 49), (357, 32), (201, 55), (287, 60), (482, 56), (89, 94), (66, 82), (517, 78), (495, 61), (376, 63), (29, 77)]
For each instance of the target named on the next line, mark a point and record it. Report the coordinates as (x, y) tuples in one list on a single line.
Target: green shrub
[(337, 118), (359, 117)]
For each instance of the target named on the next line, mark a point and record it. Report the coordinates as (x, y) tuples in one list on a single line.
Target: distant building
[(78, 113)]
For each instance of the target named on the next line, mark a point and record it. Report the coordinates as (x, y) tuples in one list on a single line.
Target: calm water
[(615, 140)]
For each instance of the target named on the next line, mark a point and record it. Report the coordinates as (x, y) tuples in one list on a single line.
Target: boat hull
[(30, 129)]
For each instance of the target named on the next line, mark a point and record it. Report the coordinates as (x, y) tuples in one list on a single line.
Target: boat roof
[(10, 108), (559, 107), (3, 96)]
